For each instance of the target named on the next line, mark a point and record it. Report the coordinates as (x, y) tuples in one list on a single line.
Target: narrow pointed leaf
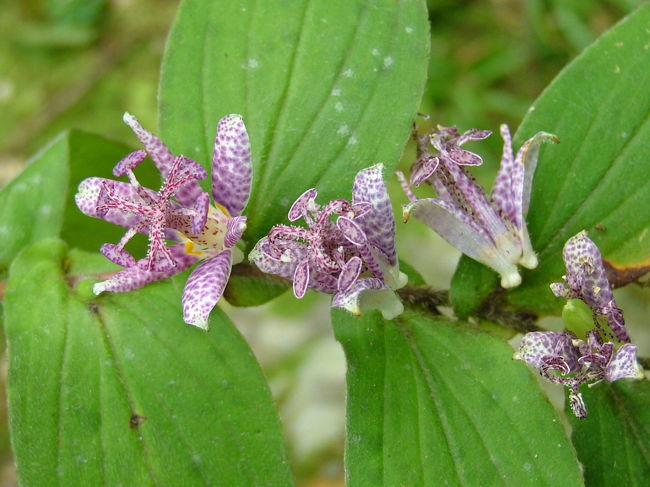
[(325, 87), (430, 400), (117, 390)]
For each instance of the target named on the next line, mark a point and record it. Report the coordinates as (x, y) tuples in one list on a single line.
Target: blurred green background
[(83, 63)]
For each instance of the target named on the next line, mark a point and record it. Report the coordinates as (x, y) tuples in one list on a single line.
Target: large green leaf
[(326, 87), (39, 202), (117, 390), (432, 402), (596, 179), (613, 441)]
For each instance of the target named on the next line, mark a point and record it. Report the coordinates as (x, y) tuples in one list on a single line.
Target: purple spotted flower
[(562, 357), (179, 212), (491, 230), (347, 249)]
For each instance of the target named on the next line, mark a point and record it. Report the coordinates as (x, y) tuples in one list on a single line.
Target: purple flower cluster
[(347, 249), (562, 357), (180, 212), (491, 230)]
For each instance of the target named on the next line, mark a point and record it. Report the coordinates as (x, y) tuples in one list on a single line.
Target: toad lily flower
[(490, 230), (352, 258), (180, 212), (562, 357)]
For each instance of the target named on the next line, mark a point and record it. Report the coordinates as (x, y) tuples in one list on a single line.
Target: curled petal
[(301, 279), (527, 157), (201, 213), (117, 255), (235, 228), (267, 258), (299, 207), (361, 208), (349, 273), (538, 347), (351, 231), (577, 404), (231, 165), (378, 224), (423, 169), (369, 293), (473, 135), (137, 276), (464, 157), (204, 287), (129, 162)]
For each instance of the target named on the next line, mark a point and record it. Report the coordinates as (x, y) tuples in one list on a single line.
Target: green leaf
[(39, 202), (248, 286), (429, 399), (32, 205), (119, 391), (597, 177), (613, 441), (326, 88)]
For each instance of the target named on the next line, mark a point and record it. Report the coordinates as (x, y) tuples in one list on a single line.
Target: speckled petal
[(349, 273), (284, 265), (624, 364), (136, 277), (378, 224), (163, 159), (231, 165), (464, 157), (299, 207), (509, 185), (423, 169), (117, 255), (473, 135), (88, 199), (586, 276), (301, 279), (204, 287), (157, 150), (351, 231), (235, 228), (201, 213), (538, 347), (129, 163)]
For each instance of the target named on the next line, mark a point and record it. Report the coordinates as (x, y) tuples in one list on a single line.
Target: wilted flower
[(562, 357), (352, 258), (490, 230), (179, 212)]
